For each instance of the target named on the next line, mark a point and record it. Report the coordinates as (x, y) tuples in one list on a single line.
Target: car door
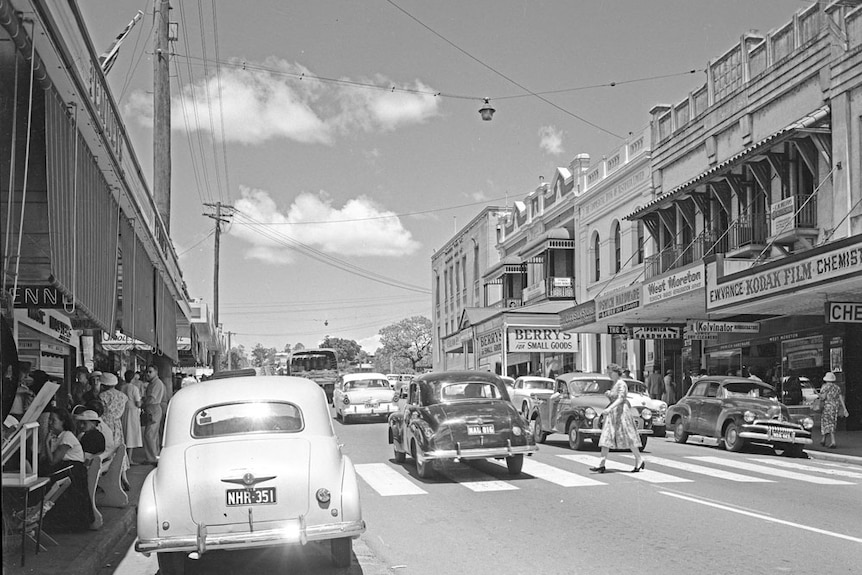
[(517, 393), (558, 404), (411, 407), (693, 401), (710, 408)]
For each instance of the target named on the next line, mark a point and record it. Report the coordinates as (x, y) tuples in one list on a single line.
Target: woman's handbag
[(816, 406)]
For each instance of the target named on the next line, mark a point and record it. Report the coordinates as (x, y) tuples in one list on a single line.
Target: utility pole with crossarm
[(219, 217)]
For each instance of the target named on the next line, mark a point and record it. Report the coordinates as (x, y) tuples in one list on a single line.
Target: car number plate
[(372, 404), (781, 434), (480, 429), (256, 496)]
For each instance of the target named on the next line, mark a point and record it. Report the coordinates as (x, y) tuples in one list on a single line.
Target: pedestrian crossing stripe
[(803, 467), (764, 470), (647, 475), (554, 475), (386, 481), (475, 480), (702, 470)]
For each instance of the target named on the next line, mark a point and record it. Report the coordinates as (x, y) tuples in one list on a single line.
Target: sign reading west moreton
[(45, 297)]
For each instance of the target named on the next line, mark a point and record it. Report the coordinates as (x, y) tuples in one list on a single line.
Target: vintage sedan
[(527, 389), (457, 416), (639, 396), (575, 409), (363, 395), (735, 411), (247, 463)]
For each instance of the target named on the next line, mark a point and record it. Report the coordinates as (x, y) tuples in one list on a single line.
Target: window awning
[(508, 265), (777, 137), (557, 238)]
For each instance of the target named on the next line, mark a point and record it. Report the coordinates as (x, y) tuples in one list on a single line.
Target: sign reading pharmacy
[(842, 260), (540, 339), (843, 312), (673, 285)]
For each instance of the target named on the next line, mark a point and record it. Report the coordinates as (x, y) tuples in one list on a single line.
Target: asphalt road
[(696, 509)]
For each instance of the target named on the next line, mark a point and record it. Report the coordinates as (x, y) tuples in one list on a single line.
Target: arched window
[(597, 258), (615, 233)]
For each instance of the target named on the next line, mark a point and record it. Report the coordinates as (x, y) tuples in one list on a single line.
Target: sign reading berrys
[(527, 339), (673, 285), (490, 342)]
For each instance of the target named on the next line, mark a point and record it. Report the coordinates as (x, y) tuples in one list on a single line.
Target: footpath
[(89, 552)]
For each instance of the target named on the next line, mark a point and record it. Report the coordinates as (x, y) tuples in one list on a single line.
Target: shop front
[(45, 341)]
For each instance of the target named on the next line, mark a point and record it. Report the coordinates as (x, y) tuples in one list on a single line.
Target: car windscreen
[(538, 384), (592, 385), (469, 390), (742, 389), (636, 387), (247, 417), (366, 384)]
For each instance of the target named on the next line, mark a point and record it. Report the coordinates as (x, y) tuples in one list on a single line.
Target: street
[(695, 509)]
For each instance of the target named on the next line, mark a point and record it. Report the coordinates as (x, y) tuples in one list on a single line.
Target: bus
[(319, 365)]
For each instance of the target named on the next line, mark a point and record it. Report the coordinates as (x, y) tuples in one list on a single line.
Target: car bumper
[(362, 409), (769, 434), (481, 452), (295, 531)]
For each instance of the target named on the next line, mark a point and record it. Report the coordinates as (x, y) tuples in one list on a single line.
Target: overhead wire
[(206, 88), (130, 72), (220, 99), (197, 243)]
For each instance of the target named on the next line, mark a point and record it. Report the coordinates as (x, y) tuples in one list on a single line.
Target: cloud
[(479, 196), (268, 101), (370, 344), (551, 140), (358, 228)]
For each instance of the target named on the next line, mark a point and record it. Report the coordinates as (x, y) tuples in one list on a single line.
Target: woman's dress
[(619, 430), (115, 406), (830, 400), (132, 427)]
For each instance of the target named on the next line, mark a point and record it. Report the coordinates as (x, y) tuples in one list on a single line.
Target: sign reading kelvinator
[(527, 339), (705, 326)]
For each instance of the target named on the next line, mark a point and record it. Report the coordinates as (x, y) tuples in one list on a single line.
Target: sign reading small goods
[(618, 302), (674, 285), (657, 331), (527, 339), (490, 342), (844, 312)]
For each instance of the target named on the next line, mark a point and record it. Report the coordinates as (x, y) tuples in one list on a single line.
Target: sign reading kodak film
[(840, 262), (490, 342), (613, 304), (674, 285), (527, 339)]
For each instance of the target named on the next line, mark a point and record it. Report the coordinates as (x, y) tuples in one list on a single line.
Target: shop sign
[(673, 285), (579, 315), (618, 330), (657, 331), (122, 342), (843, 312), (490, 342), (46, 321), (705, 326), (781, 214), (618, 302), (45, 297), (533, 291), (451, 343), (539, 339), (827, 266)]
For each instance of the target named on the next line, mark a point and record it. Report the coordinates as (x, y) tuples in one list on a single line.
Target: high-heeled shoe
[(639, 467), (599, 469)]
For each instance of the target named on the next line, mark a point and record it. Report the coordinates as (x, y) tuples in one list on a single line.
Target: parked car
[(527, 388), (248, 462), (509, 382), (736, 411), (363, 394), (458, 416), (575, 407), (638, 395)]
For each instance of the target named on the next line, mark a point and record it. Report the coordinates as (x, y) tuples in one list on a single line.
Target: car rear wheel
[(341, 551), (732, 440), (679, 434), (539, 435), (424, 469), (515, 464), (173, 563), (577, 440)]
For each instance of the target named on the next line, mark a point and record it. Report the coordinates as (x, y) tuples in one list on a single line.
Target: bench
[(105, 470)]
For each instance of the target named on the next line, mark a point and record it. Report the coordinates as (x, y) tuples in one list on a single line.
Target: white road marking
[(646, 475), (804, 467), (764, 517), (711, 471), (764, 470), (387, 481), (474, 479), (553, 474)]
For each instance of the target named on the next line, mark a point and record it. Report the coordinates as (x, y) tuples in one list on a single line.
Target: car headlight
[(807, 423), (749, 416), (516, 430), (646, 413), (662, 409), (590, 413), (346, 400)]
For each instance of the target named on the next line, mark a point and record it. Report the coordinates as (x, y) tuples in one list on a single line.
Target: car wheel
[(400, 456), (644, 441), (173, 563), (341, 551), (576, 438), (515, 464), (732, 440), (424, 469), (679, 434), (538, 434)]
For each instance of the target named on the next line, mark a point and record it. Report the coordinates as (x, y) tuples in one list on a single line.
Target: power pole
[(229, 354), (162, 114), (219, 219)]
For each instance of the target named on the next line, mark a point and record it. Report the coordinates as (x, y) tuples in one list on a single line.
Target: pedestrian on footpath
[(132, 425), (656, 384), (686, 383), (669, 395), (153, 402), (833, 407), (619, 430)]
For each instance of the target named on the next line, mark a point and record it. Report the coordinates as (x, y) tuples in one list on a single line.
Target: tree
[(348, 350), (409, 339), (286, 348), (261, 356), (298, 347), (238, 358)]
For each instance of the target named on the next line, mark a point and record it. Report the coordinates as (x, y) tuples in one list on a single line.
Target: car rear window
[(367, 384), (538, 384), (471, 390), (247, 417)]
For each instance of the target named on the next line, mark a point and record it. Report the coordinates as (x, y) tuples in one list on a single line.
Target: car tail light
[(346, 400), (323, 495)]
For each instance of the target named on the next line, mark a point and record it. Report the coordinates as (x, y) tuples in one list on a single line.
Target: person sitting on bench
[(64, 457)]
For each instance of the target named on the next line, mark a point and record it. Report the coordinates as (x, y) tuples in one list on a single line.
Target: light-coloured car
[(248, 462), (364, 394), (638, 396), (509, 383), (527, 389)]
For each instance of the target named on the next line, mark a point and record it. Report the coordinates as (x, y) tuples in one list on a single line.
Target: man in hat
[(92, 440), (154, 403)]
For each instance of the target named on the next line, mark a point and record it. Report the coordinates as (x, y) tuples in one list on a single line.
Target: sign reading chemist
[(539, 339)]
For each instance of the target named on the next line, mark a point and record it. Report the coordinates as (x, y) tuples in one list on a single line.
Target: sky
[(347, 138)]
